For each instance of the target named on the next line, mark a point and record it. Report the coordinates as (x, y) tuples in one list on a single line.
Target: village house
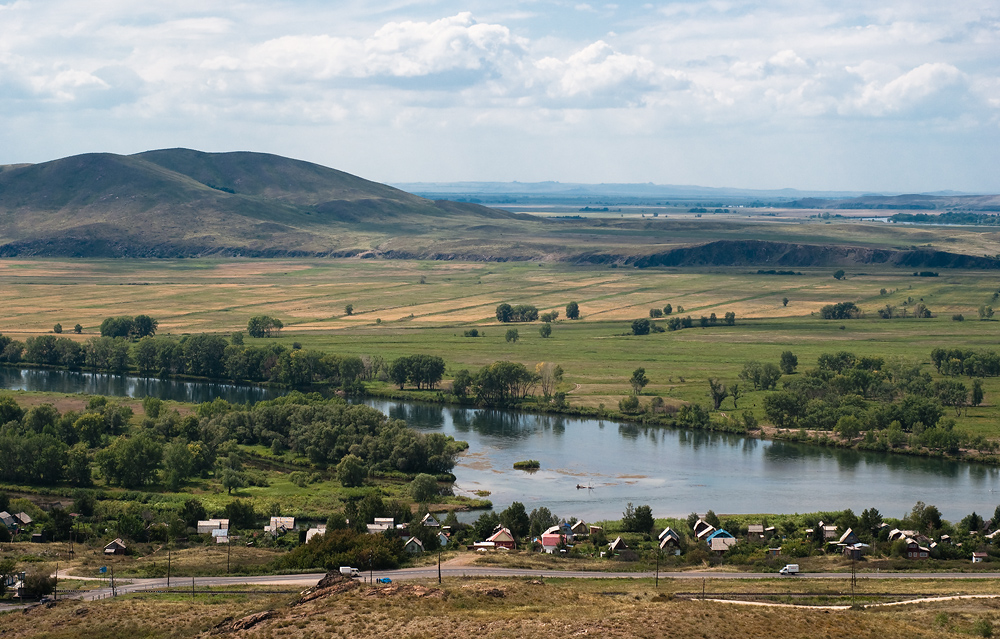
[(551, 539), (848, 538), (915, 551), (430, 521), (220, 535), (206, 526), (116, 547), (755, 532), (703, 529), (720, 541), (279, 526), (8, 520), (580, 529), (443, 538), (413, 546), (595, 530), (979, 557), (670, 541), (502, 538), (829, 530), (617, 546)]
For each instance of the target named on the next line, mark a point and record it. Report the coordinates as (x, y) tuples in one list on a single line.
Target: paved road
[(430, 572)]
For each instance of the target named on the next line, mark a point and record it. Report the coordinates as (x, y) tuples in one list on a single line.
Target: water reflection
[(127, 386)]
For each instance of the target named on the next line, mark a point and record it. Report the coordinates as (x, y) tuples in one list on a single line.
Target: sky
[(891, 96)]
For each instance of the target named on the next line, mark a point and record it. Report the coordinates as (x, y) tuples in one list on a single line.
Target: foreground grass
[(497, 608)]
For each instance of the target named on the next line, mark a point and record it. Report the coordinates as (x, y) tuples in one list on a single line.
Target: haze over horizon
[(752, 95)]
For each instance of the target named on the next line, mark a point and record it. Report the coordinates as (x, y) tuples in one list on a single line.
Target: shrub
[(629, 405)]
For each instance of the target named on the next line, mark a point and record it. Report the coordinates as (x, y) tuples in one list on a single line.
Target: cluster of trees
[(520, 313), (498, 384), (265, 326), (660, 312), (840, 311), (327, 430), (956, 362), (892, 404), (423, 371), (42, 446), (129, 327)]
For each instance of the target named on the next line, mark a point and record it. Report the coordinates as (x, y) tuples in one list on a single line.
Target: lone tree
[(57, 328), (784, 301), (78, 329), (788, 362), (545, 330), (735, 391), (424, 488), (717, 391), (640, 326), (351, 471), (573, 311), (839, 274), (512, 336), (638, 380), (349, 309)]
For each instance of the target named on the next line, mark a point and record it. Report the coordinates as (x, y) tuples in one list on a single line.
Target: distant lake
[(674, 471)]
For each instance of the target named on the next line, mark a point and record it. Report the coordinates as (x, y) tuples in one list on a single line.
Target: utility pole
[(439, 564), (55, 588), (168, 566), (657, 568), (114, 591), (229, 551)]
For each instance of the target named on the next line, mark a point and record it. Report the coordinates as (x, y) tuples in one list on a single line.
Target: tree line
[(43, 446)]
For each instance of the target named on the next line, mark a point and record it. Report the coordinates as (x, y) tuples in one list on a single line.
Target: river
[(674, 471)]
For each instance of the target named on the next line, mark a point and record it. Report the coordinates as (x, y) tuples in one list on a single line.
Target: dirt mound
[(333, 583)]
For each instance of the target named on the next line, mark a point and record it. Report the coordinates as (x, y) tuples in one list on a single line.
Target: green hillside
[(180, 202)]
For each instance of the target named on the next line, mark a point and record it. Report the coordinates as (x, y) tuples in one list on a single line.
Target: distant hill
[(180, 202), (183, 203)]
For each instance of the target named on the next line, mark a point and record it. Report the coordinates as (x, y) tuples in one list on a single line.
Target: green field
[(406, 307)]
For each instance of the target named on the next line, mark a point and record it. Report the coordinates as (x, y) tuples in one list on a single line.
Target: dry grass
[(491, 609)]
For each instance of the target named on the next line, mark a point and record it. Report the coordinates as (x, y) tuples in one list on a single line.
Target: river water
[(674, 471)]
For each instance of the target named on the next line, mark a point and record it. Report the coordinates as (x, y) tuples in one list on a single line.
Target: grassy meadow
[(407, 307)]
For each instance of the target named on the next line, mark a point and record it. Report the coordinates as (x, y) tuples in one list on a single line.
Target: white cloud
[(536, 74), (913, 89)]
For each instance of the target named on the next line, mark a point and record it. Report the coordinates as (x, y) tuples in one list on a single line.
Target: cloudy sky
[(899, 95)]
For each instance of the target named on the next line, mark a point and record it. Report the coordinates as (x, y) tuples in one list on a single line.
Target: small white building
[(312, 532), (381, 525)]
